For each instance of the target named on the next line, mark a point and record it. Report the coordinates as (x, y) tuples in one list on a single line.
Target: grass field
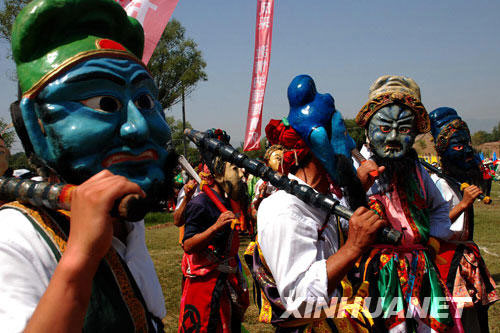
[(166, 253)]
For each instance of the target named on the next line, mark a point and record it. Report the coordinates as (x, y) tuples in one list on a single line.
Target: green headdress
[(51, 36)]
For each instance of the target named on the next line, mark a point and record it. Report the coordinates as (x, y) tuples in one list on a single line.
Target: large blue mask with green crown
[(314, 117), (101, 114)]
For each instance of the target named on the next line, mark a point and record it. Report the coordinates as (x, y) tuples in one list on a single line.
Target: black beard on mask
[(161, 192), (472, 176), (399, 169), (348, 179)]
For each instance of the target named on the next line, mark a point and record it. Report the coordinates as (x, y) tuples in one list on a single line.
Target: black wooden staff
[(486, 199), (131, 207), (259, 169)]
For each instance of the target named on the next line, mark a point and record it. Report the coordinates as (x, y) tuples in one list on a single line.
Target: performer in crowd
[(188, 191), (488, 175), (215, 294), (301, 252), (405, 195), (462, 266), (89, 116), (273, 159)]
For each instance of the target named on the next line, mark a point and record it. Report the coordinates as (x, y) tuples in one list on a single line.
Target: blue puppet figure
[(320, 125)]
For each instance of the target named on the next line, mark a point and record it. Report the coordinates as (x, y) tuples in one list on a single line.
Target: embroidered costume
[(461, 264), (419, 212), (407, 198)]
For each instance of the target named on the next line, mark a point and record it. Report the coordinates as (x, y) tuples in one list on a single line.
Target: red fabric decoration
[(296, 149), (110, 44)]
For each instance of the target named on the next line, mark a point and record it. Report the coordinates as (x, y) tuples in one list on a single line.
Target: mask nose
[(392, 134), (134, 130)]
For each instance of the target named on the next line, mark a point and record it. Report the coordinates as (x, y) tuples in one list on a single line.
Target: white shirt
[(453, 199), (27, 265), (288, 235)]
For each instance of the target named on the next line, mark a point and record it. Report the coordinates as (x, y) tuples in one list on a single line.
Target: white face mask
[(231, 181)]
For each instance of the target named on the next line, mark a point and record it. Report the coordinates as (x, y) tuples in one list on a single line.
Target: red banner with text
[(262, 57), (154, 16)]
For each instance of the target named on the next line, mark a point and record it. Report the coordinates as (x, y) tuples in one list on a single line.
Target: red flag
[(154, 16), (262, 56)]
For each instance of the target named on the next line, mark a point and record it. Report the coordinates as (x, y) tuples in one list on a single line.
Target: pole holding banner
[(262, 57), (154, 16)]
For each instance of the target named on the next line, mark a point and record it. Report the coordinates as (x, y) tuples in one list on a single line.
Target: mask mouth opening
[(393, 147)]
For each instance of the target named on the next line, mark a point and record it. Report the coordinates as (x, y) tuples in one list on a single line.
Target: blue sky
[(450, 47)]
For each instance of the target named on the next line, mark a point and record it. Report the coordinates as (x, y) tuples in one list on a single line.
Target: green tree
[(7, 133), (193, 155), (19, 161), (480, 137), (495, 134), (356, 132), (7, 16), (255, 154), (177, 65)]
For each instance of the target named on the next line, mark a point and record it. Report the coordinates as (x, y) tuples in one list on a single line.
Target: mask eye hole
[(404, 130), (458, 147), (385, 129), (144, 102), (103, 103)]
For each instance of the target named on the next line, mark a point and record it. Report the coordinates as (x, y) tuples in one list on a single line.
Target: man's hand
[(190, 188), (364, 173), (363, 230), (91, 225), (470, 195), (225, 218), (64, 304), (201, 240), (263, 190)]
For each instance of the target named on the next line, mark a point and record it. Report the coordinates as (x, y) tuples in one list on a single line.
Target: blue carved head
[(393, 116), (314, 117), (452, 138), (101, 114), (392, 131)]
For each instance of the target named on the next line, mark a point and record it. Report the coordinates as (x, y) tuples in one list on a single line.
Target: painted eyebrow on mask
[(96, 76), (140, 77), (405, 120), (384, 120)]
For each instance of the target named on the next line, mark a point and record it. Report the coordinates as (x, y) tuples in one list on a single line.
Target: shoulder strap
[(50, 230), (114, 292)]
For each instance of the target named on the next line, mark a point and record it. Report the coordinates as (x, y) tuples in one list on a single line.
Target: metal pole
[(184, 140)]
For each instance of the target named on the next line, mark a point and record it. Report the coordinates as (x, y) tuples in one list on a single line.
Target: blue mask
[(315, 119), (102, 114), (459, 151), (392, 132)]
